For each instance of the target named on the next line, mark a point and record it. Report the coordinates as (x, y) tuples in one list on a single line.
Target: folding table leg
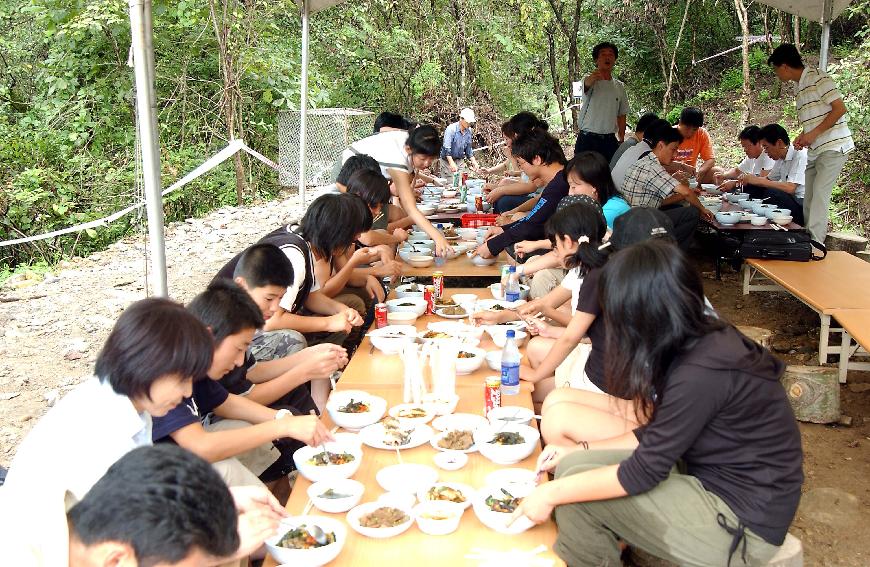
[(845, 347), (824, 337)]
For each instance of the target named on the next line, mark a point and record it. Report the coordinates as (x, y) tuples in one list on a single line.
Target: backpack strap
[(820, 247)]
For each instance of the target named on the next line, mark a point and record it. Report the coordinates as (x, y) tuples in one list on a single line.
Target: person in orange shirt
[(696, 144)]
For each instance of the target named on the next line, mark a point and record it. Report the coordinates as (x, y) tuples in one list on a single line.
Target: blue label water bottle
[(512, 287), (510, 366)]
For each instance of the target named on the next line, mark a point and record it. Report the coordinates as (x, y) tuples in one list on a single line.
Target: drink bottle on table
[(512, 287), (510, 366)]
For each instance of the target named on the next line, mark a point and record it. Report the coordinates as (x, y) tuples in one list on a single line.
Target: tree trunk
[(814, 393), (797, 32), (554, 74), (743, 16), (673, 66), (845, 242)]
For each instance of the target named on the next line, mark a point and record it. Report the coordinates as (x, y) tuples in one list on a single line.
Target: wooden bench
[(856, 326), (840, 281)]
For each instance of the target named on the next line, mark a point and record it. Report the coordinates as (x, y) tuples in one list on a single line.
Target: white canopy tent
[(823, 11)]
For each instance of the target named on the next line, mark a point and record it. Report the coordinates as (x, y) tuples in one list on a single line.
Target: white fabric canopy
[(318, 5), (813, 10)]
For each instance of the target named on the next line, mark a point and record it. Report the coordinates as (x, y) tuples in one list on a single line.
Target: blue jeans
[(509, 202)]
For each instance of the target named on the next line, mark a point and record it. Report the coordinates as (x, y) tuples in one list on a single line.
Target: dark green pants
[(677, 521)]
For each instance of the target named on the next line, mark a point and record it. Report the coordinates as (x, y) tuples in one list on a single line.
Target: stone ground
[(52, 331)]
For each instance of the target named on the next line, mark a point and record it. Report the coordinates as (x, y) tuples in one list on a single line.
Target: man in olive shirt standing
[(605, 106)]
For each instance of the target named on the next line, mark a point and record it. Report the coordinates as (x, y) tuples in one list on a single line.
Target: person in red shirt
[(696, 144)]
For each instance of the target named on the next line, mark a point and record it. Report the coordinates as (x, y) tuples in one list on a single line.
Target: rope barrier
[(226, 153)]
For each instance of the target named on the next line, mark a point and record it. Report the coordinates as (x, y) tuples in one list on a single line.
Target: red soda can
[(478, 202), (491, 394), (429, 296), (381, 315), (464, 177), (438, 284)]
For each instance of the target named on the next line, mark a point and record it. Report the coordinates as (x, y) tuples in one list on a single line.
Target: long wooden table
[(461, 266), (840, 281), (856, 326), (381, 375)]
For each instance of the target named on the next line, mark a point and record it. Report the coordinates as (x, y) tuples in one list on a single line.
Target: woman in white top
[(401, 156)]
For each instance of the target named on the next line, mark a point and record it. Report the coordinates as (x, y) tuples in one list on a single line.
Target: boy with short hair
[(696, 143), (247, 428), (784, 185), (756, 162)]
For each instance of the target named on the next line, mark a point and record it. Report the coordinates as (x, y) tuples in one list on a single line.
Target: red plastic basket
[(477, 220)]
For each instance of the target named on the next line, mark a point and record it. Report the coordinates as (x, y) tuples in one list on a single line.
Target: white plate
[(488, 304), (467, 492), (373, 436), (395, 410), (441, 313), (455, 328), (512, 476), (379, 533), (462, 421), (437, 437)]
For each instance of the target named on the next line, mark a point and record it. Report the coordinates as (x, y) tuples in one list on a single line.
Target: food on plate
[(331, 494), (396, 437), (406, 305), (390, 422), (457, 440), (454, 310), (436, 335), (445, 301), (446, 493), (507, 438), (334, 459), (450, 232), (299, 538), (506, 505), (354, 406), (497, 307), (411, 413), (464, 354), (414, 288), (385, 517)]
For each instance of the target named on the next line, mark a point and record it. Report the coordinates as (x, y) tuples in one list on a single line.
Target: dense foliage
[(227, 67)]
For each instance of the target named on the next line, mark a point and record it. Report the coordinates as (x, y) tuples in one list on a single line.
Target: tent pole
[(303, 102), (146, 110), (826, 35)]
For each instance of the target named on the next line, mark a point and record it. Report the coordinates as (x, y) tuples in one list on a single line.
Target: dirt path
[(52, 332)]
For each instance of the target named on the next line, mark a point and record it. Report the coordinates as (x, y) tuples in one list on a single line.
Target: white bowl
[(407, 305), (500, 521), (744, 203), (420, 243), (317, 473), (758, 220), (713, 207), (736, 197), (421, 261), (467, 233), (458, 329), (440, 406), (437, 518), (509, 477), (316, 556), (782, 220), (353, 518), (401, 318), (427, 209), (407, 477), (450, 460), (398, 499), (405, 290), (352, 489), (467, 492), (493, 359), (462, 298), (397, 337), (469, 365), (732, 217), (499, 334), (506, 454), (507, 415), (338, 399), (495, 290), (481, 261), (777, 213), (449, 194), (418, 235)]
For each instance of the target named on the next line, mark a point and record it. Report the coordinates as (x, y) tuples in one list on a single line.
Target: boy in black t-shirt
[(274, 374), (248, 428)]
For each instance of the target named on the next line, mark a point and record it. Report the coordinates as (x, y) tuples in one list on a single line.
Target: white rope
[(487, 147), (226, 153), (752, 39)]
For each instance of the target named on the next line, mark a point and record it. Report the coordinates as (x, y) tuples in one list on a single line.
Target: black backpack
[(778, 245)]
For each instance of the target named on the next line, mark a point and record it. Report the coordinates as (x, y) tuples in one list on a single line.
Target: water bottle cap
[(512, 269), (511, 334)]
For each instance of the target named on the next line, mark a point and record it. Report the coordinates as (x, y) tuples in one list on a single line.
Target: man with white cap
[(457, 144)]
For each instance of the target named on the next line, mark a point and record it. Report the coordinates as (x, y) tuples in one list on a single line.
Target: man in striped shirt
[(826, 134)]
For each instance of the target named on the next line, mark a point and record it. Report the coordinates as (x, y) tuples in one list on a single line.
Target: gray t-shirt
[(601, 105), (623, 147), (628, 158)]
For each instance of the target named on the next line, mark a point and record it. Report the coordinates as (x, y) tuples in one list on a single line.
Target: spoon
[(323, 446)]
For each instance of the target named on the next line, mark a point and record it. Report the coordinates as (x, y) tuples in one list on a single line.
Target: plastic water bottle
[(512, 286), (510, 366)]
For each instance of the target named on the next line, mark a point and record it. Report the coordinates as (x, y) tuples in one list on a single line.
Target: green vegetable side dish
[(507, 438), (334, 459), (331, 494), (354, 406), (299, 538), (505, 505)]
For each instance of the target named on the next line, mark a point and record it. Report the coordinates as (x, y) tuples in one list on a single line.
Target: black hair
[(575, 222), (538, 143), (645, 121), (356, 163), (333, 221), (391, 120), (226, 309), (786, 54), (604, 45), (692, 116), (264, 264), (653, 303), (773, 132), (425, 140), (522, 123), (152, 338), (592, 168), (162, 501), (370, 186), (751, 133), (661, 131)]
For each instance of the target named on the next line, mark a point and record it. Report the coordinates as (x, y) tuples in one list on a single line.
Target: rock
[(832, 506), (859, 388), (73, 355), (846, 421)]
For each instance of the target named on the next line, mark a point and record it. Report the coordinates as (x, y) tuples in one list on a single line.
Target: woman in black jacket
[(712, 403)]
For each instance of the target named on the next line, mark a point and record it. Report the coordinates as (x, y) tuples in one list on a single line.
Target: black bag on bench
[(779, 245)]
